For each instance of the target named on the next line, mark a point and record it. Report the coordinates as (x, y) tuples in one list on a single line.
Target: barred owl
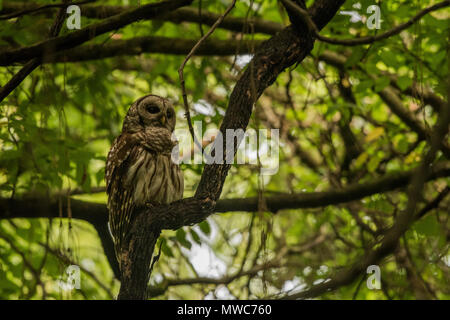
[(139, 167)]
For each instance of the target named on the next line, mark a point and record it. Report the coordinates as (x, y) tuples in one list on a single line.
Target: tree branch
[(14, 10), (235, 24), (150, 44), (78, 37), (97, 214), (34, 63)]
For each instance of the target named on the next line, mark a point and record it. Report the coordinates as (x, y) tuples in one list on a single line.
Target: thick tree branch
[(14, 10), (150, 44), (235, 24), (178, 16), (286, 48), (34, 63), (43, 207), (78, 37), (97, 214), (273, 56)]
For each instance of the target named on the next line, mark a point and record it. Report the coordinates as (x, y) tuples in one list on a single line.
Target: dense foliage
[(347, 115)]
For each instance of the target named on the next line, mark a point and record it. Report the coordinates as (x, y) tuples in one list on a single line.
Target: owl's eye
[(152, 109), (169, 114)]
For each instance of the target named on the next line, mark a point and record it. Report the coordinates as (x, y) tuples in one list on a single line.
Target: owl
[(139, 168)]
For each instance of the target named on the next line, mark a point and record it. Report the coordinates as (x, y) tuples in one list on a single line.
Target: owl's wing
[(119, 153), (120, 204)]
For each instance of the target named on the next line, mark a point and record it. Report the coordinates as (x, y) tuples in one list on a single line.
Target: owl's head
[(150, 111)]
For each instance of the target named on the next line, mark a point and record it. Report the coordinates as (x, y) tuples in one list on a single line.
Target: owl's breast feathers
[(140, 170), (141, 163)]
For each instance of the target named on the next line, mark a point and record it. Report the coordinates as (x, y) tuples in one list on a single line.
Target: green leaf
[(389, 58), (428, 226), (375, 134), (205, 227), (356, 56), (381, 83), (166, 249), (402, 145), (181, 238), (365, 84), (195, 236), (373, 164), (362, 158), (100, 175), (404, 82)]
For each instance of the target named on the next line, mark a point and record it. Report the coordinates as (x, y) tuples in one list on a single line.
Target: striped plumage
[(139, 168)]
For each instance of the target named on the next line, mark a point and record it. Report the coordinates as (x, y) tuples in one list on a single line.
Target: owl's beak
[(163, 120)]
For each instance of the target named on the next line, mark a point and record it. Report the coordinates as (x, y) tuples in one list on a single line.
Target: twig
[(148, 44), (69, 261), (181, 72), (27, 263), (200, 15), (433, 204)]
